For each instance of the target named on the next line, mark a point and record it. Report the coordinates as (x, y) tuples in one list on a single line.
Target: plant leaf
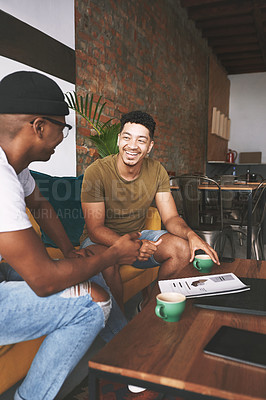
[(96, 108), (81, 104), (105, 139), (76, 102), (91, 101), (86, 104)]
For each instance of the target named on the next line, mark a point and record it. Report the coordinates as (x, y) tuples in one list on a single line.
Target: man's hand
[(127, 248), (196, 243), (147, 249)]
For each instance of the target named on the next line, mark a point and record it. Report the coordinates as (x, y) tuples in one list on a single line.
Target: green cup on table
[(170, 306), (203, 263)]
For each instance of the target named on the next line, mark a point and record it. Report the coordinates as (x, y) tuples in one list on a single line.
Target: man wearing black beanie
[(41, 296)]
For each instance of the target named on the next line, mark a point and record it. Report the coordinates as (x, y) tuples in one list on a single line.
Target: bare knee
[(182, 249), (85, 288), (98, 293), (173, 247), (173, 258)]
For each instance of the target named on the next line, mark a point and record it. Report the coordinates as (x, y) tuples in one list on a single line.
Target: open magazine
[(204, 285)]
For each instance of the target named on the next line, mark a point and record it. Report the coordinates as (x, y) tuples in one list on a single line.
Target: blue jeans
[(153, 236), (70, 324), (116, 320)]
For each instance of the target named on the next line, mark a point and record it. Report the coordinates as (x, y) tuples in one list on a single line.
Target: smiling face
[(54, 136), (134, 144)]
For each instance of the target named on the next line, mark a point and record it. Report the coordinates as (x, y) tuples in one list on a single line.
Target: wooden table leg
[(93, 385)]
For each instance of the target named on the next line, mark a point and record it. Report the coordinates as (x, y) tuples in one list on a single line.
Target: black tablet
[(252, 301), (238, 345)]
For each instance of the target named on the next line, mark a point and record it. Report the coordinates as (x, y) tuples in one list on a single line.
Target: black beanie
[(26, 92)]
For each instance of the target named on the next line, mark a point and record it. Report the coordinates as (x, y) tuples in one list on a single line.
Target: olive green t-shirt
[(126, 202)]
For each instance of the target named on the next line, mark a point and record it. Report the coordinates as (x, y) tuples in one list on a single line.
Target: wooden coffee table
[(168, 356)]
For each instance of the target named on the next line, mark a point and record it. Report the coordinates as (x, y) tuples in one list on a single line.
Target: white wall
[(248, 113), (55, 18)]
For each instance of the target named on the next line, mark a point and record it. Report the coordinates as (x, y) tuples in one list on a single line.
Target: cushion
[(64, 195), (15, 362)]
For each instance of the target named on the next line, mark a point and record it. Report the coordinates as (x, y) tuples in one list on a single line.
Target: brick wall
[(145, 54)]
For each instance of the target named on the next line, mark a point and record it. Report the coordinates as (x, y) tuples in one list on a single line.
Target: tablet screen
[(238, 345)]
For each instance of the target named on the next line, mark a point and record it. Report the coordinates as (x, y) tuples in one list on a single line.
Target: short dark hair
[(139, 117)]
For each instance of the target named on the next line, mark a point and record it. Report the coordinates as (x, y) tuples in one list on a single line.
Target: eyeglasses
[(66, 127)]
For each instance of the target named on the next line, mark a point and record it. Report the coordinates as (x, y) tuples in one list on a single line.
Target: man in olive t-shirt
[(126, 202), (116, 194)]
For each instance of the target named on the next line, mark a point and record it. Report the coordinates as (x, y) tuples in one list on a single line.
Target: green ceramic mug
[(203, 263), (170, 306)]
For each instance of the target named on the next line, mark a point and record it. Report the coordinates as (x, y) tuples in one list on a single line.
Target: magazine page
[(204, 285)]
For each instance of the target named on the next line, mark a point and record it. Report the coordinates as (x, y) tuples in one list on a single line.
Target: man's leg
[(171, 255), (113, 279), (111, 274), (70, 319), (116, 320)]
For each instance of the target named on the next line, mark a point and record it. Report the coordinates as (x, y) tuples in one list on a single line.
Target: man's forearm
[(103, 235), (48, 220), (177, 226), (69, 272), (46, 276)]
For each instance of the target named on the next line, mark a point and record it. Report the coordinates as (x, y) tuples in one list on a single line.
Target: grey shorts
[(146, 234)]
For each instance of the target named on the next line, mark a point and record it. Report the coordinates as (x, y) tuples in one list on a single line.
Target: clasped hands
[(129, 249)]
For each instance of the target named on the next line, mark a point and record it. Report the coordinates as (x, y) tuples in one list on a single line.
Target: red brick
[(84, 132), (82, 150), (146, 55)]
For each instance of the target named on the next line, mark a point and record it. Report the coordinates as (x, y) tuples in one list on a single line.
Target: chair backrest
[(193, 189), (188, 186), (258, 205), (258, 194), (153, 219), (64, 195)]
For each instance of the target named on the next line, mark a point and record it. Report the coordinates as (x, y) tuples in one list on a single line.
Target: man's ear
[(150, 146), (118, 139), (38, 127)]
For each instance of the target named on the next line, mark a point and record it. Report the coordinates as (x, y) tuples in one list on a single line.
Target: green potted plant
[(105, 138)]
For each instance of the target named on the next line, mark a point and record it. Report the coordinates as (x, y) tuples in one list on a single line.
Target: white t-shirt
[(13, 190)]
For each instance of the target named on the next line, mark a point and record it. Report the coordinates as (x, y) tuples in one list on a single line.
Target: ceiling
[(234, 29)]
